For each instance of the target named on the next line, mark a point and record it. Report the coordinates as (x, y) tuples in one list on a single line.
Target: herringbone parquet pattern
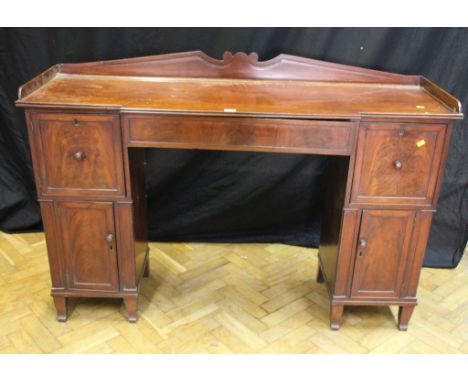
[(221, 298)]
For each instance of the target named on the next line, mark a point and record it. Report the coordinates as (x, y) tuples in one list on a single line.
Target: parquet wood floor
[(221, 298)]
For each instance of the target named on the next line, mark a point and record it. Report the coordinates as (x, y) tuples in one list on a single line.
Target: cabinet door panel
[(89, 245), (382, 253)]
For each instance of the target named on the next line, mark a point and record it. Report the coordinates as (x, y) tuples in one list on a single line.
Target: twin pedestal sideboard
[(386, 136)]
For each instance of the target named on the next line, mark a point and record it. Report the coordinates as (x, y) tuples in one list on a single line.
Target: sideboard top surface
[(195, 83)]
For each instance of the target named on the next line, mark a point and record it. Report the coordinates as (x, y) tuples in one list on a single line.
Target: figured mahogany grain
[(381, 253), (88, 124), (252, 134), (90, 259), (398, 162), (237, 65), (79, 153), (265, 97)]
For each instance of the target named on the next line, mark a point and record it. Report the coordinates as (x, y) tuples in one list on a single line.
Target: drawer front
[(78, 154), (398, 163), (239, 133), (88, 243)]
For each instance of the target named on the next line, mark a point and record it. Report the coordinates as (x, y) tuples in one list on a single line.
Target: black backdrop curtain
[(233, 196)]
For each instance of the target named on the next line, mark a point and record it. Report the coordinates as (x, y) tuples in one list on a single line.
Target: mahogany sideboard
[(386, 135)]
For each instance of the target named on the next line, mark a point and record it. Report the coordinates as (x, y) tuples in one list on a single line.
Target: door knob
[(362, 244), (110, 240)]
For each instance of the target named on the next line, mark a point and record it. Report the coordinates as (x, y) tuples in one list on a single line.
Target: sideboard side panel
[(33, 145), (332, 215), (131, 250), (349, 231), (52, 235), (420, 240)]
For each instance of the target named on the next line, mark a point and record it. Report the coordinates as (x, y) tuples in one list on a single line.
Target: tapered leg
[(131, 303), (320, 278), (336, 312), (404, 315), (146, 272), (61, 308)]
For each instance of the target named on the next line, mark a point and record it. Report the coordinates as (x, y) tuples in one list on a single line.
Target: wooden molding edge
[(196, 64), (441, 95), (38, 81), (235, 66)]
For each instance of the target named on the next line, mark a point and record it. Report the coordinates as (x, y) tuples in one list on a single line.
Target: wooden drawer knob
[(398, 165), (79, 155), (76, 123)]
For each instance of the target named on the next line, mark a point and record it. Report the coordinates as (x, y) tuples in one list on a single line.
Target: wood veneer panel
[(89, 245), (398, 163), (78, 154), (245, 96), (247, 134), (287, 104), (381, 253)]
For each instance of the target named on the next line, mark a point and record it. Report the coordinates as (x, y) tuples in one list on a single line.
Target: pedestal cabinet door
[(89, 245), (382, 253)]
